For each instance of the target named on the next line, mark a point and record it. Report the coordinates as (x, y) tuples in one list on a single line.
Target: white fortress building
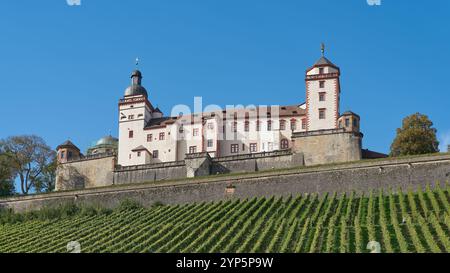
[(152, 146), (146, 136)]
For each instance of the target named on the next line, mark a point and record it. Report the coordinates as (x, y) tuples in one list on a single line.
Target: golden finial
[(323, 49)]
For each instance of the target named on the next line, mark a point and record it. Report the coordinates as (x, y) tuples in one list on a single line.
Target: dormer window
[(321, 70)]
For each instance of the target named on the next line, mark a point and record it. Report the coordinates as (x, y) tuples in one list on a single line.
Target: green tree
[(6, 181), (46, 182), (417, 136), (29, 158)]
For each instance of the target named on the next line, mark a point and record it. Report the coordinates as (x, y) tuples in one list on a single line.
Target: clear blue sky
[(63, 68)]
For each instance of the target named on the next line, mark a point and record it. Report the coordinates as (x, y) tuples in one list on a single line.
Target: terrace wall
[(361, 176)]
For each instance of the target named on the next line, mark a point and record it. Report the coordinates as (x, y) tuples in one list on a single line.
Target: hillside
[(413, 222)]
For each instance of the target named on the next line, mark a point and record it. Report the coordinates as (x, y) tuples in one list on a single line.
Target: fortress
[(154, 147)]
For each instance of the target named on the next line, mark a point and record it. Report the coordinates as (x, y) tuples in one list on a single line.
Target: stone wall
[(256, 162), (328, 146), (360, 177), (149, 173), (200, 164), (87, 173)]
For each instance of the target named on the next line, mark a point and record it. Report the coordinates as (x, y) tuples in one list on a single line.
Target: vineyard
[(409, 222)]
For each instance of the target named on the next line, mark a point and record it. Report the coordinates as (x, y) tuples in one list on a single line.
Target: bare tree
[(29, 157)]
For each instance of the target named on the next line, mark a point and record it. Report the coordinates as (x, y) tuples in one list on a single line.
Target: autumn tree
[(29, 158), (417, 136), (6, 175)]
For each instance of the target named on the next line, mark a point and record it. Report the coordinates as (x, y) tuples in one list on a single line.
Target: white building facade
[(146, 136)]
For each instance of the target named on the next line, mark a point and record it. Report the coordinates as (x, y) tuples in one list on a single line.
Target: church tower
[(135, 111), (322, 95)]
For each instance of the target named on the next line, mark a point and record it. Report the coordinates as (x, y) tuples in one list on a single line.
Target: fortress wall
[(252, 163), (141, 175), (360, 176), (88, 173), (328, 146)]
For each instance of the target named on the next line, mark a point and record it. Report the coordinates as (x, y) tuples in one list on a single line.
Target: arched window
[(284, 144)]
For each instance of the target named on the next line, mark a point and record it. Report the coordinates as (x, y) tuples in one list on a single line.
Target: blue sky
[(63, 68)]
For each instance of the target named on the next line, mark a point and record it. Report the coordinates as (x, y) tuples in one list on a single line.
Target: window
[(69, 155), (253, 147), (162, 136), (247, 126), (293, 125), (149, 137), (284, 144), (192, 149), (210, 126), (355, 122), (340, 124), (304, 124), (234, 148), (322, 84), (139, 154), (269, 125), (63, 155), (322, 96), (322, 113), (347, 122), (282, 125), (321, 70), (258, 126), (234, 128), (181, 129), (130, 134), (140, 115), (210, 143), (155, 154), (243, 147), (131, 117), (195, 132)]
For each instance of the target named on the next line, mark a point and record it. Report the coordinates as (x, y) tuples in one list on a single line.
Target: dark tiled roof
[(349, 113), (324, 61), (67, 144), (368, 154), (160, 122)]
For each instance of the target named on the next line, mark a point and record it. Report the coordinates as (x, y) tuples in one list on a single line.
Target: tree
[(47, 181), (417, 136), (6, 181), (29, 157)]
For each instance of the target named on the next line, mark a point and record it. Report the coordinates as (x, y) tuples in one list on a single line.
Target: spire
[(136, 78), (323, 49)]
